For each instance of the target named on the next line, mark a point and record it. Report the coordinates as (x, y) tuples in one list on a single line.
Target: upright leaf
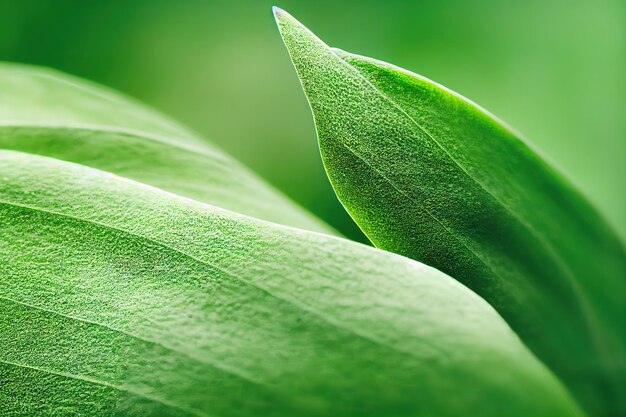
[(120, 299), (430, 175), (47, 113)]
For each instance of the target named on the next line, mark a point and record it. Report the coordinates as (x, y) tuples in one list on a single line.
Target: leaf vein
[(116, 387), (290, 301)]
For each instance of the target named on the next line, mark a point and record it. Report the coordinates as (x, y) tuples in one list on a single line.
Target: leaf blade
[(53, 114), (119, 297), (428, 174)]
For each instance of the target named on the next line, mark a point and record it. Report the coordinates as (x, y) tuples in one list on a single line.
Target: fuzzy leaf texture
[(430, 175), (122, 299)]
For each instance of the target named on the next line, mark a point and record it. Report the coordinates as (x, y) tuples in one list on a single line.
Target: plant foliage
[(430, 175)]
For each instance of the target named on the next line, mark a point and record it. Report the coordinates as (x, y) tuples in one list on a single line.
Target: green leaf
[(51, 114), (120, 298), (432, 176)]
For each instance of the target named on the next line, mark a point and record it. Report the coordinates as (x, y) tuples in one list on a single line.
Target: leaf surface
[(430, 175), (118, 298), (52, 114)]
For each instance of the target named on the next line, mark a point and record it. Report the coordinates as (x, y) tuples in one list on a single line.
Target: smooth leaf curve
[(48, 113), (430, 175), (119, 298)]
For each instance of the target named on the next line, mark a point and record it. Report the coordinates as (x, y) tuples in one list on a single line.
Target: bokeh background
[(553, 69)]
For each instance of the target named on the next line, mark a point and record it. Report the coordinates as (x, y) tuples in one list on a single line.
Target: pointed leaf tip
[(284, 19), (280, 16), (300, 42)]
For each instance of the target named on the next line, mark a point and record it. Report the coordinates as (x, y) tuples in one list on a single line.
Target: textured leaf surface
[(430, 175), (119, 298), (47, 113)]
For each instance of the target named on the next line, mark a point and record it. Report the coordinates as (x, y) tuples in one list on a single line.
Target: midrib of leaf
[(116, 387), (408, 197)]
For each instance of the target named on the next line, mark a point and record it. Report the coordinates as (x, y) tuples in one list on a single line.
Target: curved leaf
[(121, 299), (47, 113), (430, 175)]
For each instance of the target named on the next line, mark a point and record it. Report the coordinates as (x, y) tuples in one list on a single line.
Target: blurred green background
[(555, 70)]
